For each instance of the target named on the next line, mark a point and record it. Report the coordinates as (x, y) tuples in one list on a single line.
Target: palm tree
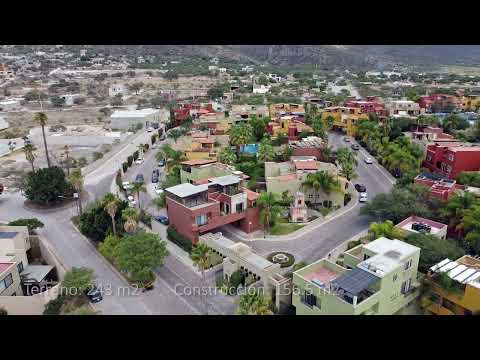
[(41, 118), (138, 187), (240, 135), (29, 154), (159, 202), (76, 179), (265, 151), (345, 155), (130, 217), (201, 259), (172, 157), (111, 208), (322, 180), (454, 210), (385, 229), (268, 202), (141, 148), (254, 304), (66, 150), (348, 171), (227, 156)]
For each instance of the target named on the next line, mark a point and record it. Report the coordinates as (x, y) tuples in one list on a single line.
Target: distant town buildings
[(125, 119)]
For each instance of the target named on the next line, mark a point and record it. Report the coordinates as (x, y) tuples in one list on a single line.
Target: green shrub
[(125, 167), (135, 155), (154, 139), (178, 239), (54, 306), (32, 224), (130, 160), (236, 279), (146, 218), (352, 244), (97, 155), (46, 186), (288, 263)]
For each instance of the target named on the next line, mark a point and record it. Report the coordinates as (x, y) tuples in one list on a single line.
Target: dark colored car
[(162, 219), (139, 178), (360, 188), (161, 163), (94, 294), (355, 147), (155, 175)]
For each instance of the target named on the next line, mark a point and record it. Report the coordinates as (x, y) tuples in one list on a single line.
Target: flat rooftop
[(134, 113), (321, 277), (187, 189), (225, 180), (407, 224), (465, 270)]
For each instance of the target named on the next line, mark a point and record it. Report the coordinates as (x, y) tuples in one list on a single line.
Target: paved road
[(318, 243)]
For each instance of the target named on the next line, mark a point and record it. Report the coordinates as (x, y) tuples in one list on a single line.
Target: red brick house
[(441, 188), (450, 159), (370, 105), (438, 103), (197, 209)]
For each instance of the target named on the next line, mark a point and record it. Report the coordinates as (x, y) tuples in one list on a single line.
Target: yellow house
[(470, 102), (287, 125), (344, 118), (465, 273)]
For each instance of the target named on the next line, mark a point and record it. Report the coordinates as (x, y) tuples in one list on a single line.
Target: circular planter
[(281, 257)]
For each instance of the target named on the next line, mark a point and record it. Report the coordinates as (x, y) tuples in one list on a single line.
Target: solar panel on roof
[(355, 281), (440, 264), (449, 266), (465, 275), (457, 271)]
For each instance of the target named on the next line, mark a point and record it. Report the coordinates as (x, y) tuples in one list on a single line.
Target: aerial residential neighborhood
[(164, 180)]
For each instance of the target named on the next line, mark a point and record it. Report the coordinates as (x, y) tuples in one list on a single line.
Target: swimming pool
[(249, 149)]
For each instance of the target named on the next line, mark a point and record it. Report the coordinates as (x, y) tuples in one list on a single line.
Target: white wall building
[(261, 89), (3, 123), (124, 119), (10, 105)]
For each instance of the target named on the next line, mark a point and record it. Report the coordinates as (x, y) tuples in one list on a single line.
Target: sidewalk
[(258, 235)]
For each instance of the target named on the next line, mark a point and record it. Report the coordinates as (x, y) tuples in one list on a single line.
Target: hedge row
[(178, 239)]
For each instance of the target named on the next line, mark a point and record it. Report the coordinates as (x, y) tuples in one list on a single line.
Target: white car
[(158, 189), (139, 161), (346, 139), (368, 160), (150, 129), (131, 200), (363, 197), (126, 185)]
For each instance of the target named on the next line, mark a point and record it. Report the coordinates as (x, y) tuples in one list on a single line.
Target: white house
[(3, 123), (124, 119), (117, 89), (222, 70), (261, 89), (10, 105), (212, 68)]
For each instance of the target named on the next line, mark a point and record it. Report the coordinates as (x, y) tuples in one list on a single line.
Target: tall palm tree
[(159, 202), (66, 150), (29, 151), (254, 304), (455, 209), (268, 203), (137, 188), (111, 208), (201, 259), (265, 151), (76, 179), (240, 135), (173, 157), (141, 148), (322, 180), (41, 118), (227, 156), (346, 156), (130, 217)]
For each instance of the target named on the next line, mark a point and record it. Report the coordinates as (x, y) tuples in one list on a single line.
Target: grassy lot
[(282, 227)]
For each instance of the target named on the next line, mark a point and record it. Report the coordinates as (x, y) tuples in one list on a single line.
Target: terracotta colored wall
[(307, 152), (253, 216)]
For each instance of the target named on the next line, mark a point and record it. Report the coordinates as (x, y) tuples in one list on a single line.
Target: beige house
[(290, 175), (244, 112)]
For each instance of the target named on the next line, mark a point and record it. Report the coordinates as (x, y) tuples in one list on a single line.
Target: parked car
[(346, 139), (363, 197), (158, 189), (139, 161), (161, 163), (355, 147), (368, 160), (1, 188), (131, 201), (163, 219), (150, 129), (94, 294), (360, 188), (155, 175), (140, 178), (126, 185)]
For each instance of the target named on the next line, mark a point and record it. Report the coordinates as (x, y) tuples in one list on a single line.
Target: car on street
[(368, 160), (94, 294), (346, 139), (139, 178), (158, 189), (155, 175), (150, 129), (161, 163), (363, 197), (131, 201), (355, 147), (162, 219), (126, 185), (139, 161), (1, 188), (360, 188)]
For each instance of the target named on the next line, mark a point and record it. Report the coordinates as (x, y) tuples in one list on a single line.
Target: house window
[(201, 220), (239, 207), (406, 286), (448, 305), (309, 299), (408, 264), (365, 257), (6, 282), (450, 157), (20, 267)]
